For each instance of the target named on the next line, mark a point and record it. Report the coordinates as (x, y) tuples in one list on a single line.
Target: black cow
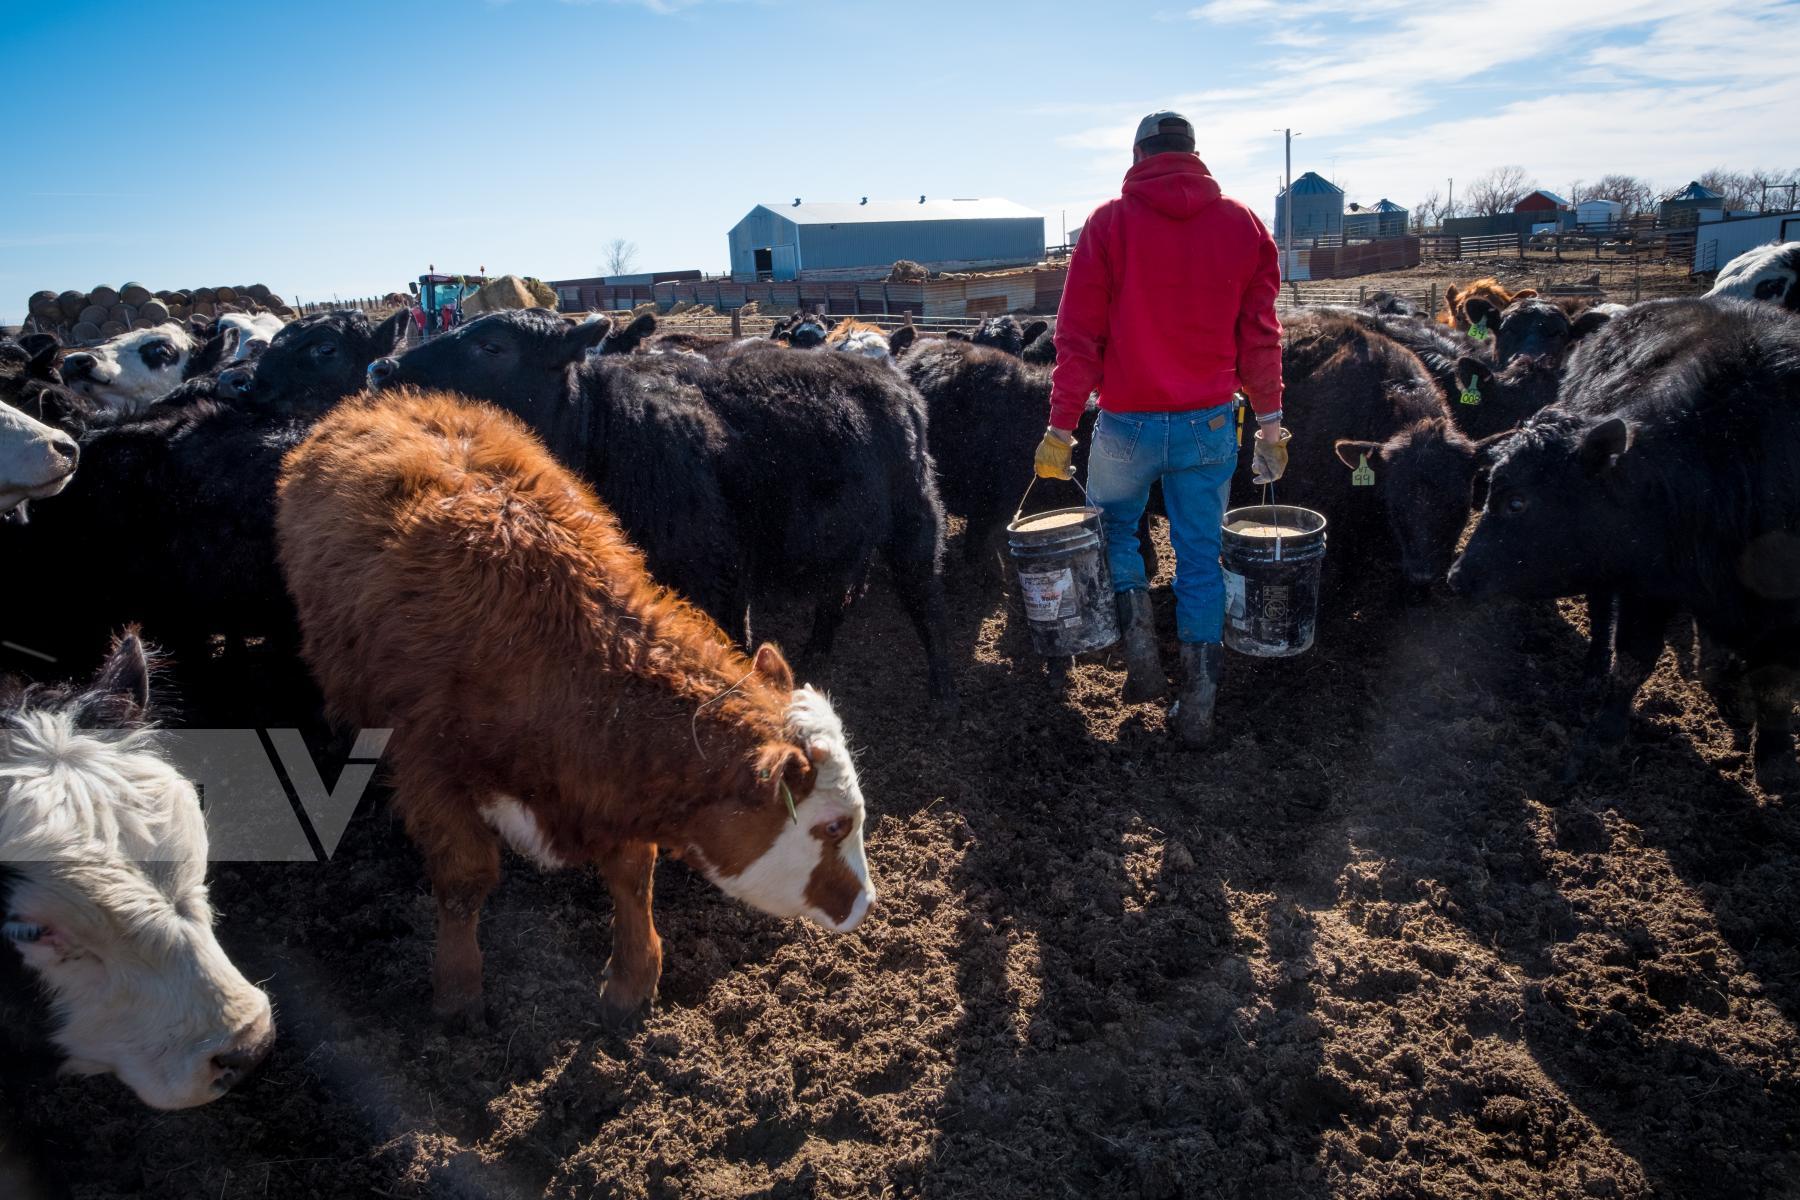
[(1360, 401), (806, 329), (313, 363), (1535, 327), (1667, 473), (1040, 351), (775, 473), (1391, 305), (1006, 333)]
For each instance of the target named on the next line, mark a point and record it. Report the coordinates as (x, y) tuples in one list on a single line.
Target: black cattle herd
[(1644, 457)]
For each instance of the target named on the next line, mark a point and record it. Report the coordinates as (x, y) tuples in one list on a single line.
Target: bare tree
[(621, 256), (1497, 191), (1632, 191), (1428, 212)]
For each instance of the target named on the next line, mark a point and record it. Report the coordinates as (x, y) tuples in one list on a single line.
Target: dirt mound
[(1364, 948)]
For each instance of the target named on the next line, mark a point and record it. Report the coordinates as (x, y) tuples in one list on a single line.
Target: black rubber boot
[(1145, 679), (1191, 717)]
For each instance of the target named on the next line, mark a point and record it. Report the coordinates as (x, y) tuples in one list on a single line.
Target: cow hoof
[(1779, 775), (467, 1016), (624, 1014)]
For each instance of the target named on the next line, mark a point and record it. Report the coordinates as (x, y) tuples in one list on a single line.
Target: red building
[(1541, 201)]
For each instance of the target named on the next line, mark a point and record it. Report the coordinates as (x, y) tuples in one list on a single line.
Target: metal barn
[(1382, 219), (1318, 208), (862, 240)]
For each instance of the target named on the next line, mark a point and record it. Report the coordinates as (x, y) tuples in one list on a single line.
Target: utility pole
[(1287, 216), (1450, 205)]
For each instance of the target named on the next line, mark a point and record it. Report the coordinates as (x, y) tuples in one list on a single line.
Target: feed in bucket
[(1271, 555)]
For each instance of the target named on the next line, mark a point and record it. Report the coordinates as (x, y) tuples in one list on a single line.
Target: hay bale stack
[(85, 331), (153, 311), (93, 314), (42, 305), (104, 296), (111, 329), (71, 304), (122, 314), (134, 294)]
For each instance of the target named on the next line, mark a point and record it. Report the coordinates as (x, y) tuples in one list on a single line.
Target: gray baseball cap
[(1151, 125)]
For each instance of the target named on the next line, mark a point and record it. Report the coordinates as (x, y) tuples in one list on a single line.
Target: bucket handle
[(1020, 511), (1269, 502)]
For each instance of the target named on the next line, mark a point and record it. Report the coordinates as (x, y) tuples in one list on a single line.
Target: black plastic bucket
[(1060, 557), (1273, 555)]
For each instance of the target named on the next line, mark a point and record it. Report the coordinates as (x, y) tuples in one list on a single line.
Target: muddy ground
[(1363, 949)]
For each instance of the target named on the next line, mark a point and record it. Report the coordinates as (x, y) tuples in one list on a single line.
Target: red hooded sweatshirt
[(1170, 301)]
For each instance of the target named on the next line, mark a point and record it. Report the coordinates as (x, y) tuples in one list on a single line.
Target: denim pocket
[(1215, 446), (1116, 437)]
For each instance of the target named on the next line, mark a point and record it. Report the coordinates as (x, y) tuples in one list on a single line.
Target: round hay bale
[(104, 296), (182, 297), (93, 314), (259, 291), (143, 323), (204, 295), (286, 313), (276, 302), (71, 304), (166, 296), (178, 312), (134, 294), (153, 311), (43, 306), (202, 308), (122, 313), (84, 331), (225, 293), (111, 329)]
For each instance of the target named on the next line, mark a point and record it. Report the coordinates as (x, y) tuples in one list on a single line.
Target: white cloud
[(1403, 95)]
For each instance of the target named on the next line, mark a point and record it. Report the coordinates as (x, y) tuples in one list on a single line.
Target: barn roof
[(1314, 184), (901, 210), (1547, 194), (1383, 205)]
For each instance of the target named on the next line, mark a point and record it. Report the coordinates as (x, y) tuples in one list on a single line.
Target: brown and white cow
[(103, 877), (456, 585)]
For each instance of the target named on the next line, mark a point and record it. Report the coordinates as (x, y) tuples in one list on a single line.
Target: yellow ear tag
[(1363, 476), (1471, 394), (1479, 330)]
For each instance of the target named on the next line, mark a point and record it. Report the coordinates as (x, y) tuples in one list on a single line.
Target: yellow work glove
[(1054, 456), (1269, 458)]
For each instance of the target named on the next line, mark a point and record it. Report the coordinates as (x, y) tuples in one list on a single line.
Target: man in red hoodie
[(1169, 312)]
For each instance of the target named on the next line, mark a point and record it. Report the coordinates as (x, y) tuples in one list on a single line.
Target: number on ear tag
[(1479, 330), (1471, 393), (1363, 475)]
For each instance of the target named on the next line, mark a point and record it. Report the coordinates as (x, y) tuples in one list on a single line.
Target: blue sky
[(324, 147)]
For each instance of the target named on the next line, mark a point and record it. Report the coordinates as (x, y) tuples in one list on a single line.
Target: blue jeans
[(1194, 460)]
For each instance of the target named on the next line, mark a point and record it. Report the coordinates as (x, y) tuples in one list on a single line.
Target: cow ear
[(956, 335), (120, 693), (589, 335), (1479, 309), (1470, 368), (40, 944), (1034, 331), (1602, 445), (773, 667), (200, 327), (1351, 453), (1588, 322), (390, 333), (1524, 293), (901, 340), (42, 348), (631, 337)]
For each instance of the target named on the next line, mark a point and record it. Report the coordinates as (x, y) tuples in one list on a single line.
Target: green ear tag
[(1471, 394), (787, 794), (1479, 330), (1363, 476)]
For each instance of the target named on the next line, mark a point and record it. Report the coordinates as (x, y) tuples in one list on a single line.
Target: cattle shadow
[(1678, 1108)]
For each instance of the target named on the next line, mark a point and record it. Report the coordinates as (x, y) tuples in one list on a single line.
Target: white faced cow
[(35, 461), (134, 370), (251, 330), (1770, 273), (102, 874)]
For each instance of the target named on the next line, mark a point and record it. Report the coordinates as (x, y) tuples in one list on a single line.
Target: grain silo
[(1382, 219), (1685, 206), (1318, 208)]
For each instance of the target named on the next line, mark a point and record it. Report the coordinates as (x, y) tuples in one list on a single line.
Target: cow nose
[(67, 448), (77, 366), (382, 370), (232, 1067), (235, 382)]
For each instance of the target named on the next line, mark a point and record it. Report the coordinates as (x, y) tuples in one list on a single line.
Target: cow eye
[(324, 350), (838, 829), (490, 348), (1516, 504)]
